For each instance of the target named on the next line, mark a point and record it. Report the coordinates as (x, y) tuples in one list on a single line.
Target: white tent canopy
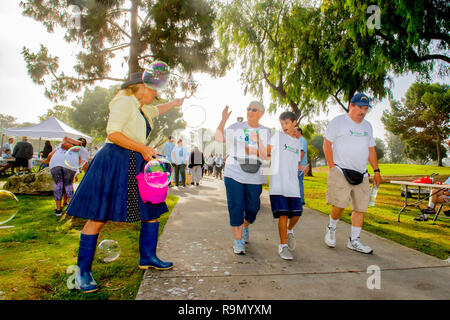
[(51, 128)]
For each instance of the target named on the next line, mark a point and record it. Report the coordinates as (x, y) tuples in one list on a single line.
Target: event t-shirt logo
[(358, 134), (291, 149)]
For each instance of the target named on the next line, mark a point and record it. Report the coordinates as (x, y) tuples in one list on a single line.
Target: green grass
[(37, 252), (382, 219), (388, 169)]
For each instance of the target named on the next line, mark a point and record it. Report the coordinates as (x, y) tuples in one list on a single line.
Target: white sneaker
[(239, 246), (357, 245), (285, 253), (330, 237), (291, 241)]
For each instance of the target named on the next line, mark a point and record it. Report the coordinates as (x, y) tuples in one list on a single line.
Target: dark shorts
[(242, 200), (285, 206), (21, 162)]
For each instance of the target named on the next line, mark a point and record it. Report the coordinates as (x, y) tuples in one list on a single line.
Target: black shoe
[(57, 212), (447, 213), (429, 210), (421, 218), (198, 184)]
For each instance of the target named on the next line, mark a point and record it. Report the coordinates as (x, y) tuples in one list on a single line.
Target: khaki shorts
[(340, 193)]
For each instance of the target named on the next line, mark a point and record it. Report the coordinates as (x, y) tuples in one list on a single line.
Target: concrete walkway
[(198, 239)]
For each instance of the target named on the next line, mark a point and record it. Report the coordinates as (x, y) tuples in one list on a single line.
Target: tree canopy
[(422, 121), (309, 56), (178, 32)]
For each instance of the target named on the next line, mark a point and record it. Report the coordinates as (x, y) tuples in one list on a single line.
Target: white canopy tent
[(51, 128)]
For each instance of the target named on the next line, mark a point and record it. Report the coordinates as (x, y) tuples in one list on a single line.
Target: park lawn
[(37, 252), (382, 219), (388, 169)]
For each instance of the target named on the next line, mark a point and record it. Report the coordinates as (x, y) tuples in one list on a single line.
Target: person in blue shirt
[(179, 157), (303, 162), (168, 148), (167, 152)]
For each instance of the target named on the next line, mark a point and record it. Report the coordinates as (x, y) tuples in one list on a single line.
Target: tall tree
[(7, 121), (317, 142), (60, 112), (179, 32), (90, 112), (380, 148), (395, 146), (305, 55), (422, 121), (413, 35)]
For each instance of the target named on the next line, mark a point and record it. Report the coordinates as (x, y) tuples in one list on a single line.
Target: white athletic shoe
[(357, 245), (291, 241), (285, 253), (330, 237), (239, 246)]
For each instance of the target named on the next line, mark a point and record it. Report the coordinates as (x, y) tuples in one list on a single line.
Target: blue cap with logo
[(360, 100)]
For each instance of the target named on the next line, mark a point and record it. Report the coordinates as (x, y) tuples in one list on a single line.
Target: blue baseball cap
[(360, 100)]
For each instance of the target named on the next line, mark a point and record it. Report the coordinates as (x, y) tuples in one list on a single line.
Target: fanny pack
[(249, 167), (353, 177)]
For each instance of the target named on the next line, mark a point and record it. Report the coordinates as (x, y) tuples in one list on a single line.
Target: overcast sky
[(23, 99)]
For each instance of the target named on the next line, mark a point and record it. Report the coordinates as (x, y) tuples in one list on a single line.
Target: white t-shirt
[(285, 156), (218, 161), (59, 157), (239, 145), (351, 142)]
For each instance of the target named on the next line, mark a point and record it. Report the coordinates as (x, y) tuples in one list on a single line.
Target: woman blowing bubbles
[(109, 191)]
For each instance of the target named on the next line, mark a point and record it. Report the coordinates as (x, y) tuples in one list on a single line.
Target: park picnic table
[(407, 184)]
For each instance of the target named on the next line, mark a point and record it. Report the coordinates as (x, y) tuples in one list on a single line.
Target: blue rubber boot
[(147, 246), (83, 278)]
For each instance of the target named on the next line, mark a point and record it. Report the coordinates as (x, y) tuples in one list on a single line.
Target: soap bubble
[(156, 76), (108, 250), (158, 172), (76, 157), (194, 116), (9, 206)]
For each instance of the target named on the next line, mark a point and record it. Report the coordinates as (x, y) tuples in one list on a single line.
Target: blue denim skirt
[(108, 191)]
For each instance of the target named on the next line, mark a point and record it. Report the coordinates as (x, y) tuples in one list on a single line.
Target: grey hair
[(257, 104)]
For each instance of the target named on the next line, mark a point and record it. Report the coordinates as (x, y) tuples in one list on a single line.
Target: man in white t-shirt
[(243, 176), (348, 146)]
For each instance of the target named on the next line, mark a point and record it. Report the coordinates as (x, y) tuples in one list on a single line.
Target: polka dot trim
[(133, 214)]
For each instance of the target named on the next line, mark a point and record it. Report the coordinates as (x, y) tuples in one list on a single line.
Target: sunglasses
[(252, 109)]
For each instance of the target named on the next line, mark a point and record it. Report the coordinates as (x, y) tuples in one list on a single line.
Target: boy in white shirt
[(284, 188)]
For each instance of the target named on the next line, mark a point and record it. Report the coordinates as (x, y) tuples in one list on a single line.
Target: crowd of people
[(109, 190), (194, 163)]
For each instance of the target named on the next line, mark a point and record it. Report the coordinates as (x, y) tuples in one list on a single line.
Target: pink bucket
[(153, 194)]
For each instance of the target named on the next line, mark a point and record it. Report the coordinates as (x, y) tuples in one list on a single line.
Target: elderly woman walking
[(109, 190)]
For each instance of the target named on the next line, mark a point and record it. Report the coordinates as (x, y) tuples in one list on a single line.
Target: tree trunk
[(439, 154), (310, 174), (133, 64)]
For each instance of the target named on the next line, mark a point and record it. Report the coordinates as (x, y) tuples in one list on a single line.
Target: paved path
[(198, 239)]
